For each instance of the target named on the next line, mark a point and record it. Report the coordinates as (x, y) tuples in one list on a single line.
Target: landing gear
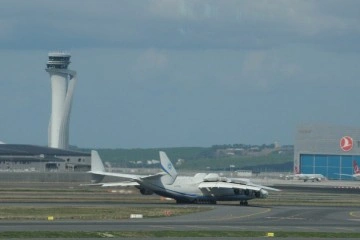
[(243, 203), (195, 201), (178, 201), (204, 201)]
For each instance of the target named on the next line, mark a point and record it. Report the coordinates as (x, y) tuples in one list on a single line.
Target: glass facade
[(58, 61), (65, 59), (331, 166), (57, 66)]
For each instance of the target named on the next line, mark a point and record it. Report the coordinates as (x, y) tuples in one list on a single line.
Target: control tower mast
[(62, 85)]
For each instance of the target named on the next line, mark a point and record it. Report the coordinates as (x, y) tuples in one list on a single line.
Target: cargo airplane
[(201, 188)]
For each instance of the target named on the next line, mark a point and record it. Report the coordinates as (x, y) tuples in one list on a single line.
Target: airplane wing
[(343, 174), (120, 184), (255, 187), (248, 182), (266, 187), (149, 177), (120, 175), (240, 180), (209, 185), (113, 184)]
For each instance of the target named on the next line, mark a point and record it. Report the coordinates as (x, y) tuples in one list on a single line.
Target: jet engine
[(261, 194), (213, 177), (144, 191)]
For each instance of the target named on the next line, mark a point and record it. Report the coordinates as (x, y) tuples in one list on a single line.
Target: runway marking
[(242, 216), (354, 214), (105, 235), (352, 219), (157, 226), (272, 228), (345, 229), (309, 228), (286, 218), (236, 227), (197, 227)]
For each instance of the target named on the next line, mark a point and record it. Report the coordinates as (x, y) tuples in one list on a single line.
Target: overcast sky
[(173, 73)]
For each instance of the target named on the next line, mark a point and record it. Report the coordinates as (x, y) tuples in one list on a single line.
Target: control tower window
[(58, 58)]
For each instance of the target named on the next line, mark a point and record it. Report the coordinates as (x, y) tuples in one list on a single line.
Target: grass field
[(67, 193), (184, 234), (104, 204), (91, 213)]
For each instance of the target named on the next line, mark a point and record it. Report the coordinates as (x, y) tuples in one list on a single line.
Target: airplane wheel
[(243, 203)]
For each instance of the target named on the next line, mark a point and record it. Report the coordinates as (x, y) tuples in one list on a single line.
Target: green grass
[(238, 161), (92, 213)]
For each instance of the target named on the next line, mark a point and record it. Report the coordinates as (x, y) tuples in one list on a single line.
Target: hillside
[(219, 157)]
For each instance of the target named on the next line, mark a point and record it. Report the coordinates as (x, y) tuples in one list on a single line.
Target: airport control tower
[(62, 85)]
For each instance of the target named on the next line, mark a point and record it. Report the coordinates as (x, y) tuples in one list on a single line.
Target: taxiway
[(221, 218)]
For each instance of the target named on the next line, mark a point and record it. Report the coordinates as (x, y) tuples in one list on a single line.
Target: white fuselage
[(187, 189), (306, 177)]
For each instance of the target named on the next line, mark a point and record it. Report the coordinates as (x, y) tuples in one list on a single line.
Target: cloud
[(184, 24), (207, 66), (264, 70), (5, 29), (150, 63)]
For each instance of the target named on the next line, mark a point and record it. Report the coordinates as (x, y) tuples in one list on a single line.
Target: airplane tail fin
[(167, 166), (356, 167), (97, 167), (296, 170), (96, 163)]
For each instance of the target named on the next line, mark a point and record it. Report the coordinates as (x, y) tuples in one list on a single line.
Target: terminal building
[(30, 158), (326, 150)]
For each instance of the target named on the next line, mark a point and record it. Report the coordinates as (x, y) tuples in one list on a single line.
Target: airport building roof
[(27, 150)]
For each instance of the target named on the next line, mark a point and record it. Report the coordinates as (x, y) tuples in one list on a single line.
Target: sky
[(179, 73)]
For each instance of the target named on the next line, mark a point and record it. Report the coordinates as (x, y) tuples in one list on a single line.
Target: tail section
[(356, 167), (96, 164), (97, 167), (296, 170), (167, 166)]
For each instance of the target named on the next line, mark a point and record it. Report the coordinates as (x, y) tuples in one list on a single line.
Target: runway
[(299, 207), (221, 218)]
